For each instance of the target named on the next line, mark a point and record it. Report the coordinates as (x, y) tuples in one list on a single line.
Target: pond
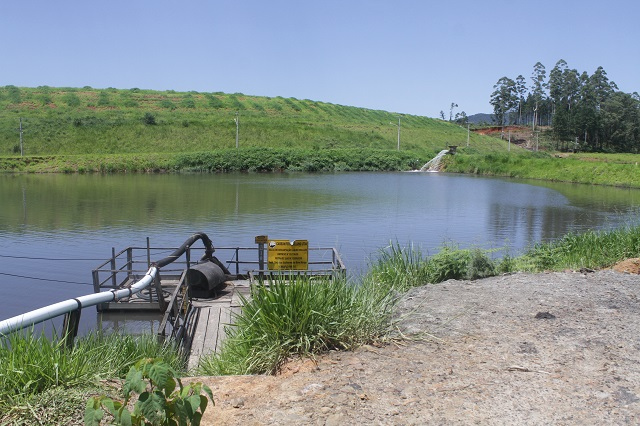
[(54, 229)]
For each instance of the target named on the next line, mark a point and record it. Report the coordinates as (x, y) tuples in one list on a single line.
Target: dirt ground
[(553, 348)]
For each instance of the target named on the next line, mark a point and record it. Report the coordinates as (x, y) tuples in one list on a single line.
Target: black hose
[(208, 244)]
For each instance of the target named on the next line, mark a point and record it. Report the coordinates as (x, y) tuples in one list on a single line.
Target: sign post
[(261, 240)]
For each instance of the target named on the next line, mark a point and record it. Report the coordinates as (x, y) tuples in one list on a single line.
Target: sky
[(405, 56)]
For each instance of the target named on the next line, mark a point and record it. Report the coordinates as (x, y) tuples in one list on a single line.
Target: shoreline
[(477, 352)]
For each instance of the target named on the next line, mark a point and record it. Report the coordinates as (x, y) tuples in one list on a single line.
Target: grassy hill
[(71, 121)]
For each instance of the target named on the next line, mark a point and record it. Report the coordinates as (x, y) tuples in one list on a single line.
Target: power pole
[(398, 133), (467, 135), (237, 120), (21, 148)]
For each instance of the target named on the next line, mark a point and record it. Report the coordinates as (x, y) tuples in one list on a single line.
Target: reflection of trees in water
[(524, 213), (523, 225), (95, 201)]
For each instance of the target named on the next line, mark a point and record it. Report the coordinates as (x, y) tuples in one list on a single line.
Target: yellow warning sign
[(287, 255)]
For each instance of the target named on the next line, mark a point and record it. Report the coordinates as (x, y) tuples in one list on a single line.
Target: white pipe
[(49, 312)]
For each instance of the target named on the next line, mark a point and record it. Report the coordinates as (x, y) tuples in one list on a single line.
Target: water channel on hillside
[(54, 229)]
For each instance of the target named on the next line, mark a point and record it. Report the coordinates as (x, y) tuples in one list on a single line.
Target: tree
[(521, 91), (461, 118), (620, 125), (503, 99), (539, 94), (453, 105)]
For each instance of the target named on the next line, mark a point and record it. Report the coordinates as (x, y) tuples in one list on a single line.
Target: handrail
[(37, 316), (49, 312)]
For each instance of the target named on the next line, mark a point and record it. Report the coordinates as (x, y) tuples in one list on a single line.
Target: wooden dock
[(212, 318)]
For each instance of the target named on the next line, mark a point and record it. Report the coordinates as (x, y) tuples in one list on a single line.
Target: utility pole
[(398, 133), (467, 135), (237, 120), (21, 148)]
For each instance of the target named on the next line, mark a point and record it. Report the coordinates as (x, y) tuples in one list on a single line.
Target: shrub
[(449, 264), (71, 99), (480, 265), (149, 119), (103, 99)]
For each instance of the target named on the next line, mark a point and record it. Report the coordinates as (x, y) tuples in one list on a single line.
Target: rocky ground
[(554, 348)]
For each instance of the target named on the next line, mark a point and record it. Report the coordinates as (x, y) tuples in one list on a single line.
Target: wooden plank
[(225, 320), (212, 334), (197, 345)]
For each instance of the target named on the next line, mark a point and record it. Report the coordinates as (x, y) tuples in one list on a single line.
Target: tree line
[(584, 111)]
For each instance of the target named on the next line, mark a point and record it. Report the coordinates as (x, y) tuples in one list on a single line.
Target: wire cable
[(45, 258), (43, 279)]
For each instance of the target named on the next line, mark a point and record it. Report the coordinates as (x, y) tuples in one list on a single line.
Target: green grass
[(35, 369), (591, 249), (300, 318), (70, 121), (598, 169), (304, 317)]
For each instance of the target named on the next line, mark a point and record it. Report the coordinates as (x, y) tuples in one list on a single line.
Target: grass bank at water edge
[(614, 170), (230, 160)]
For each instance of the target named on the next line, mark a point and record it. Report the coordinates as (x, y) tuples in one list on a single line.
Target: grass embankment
[(69, 129), (43, 380), (246, 159), (599, 169)]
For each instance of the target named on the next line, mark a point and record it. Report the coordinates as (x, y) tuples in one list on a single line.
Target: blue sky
[(406, 56)]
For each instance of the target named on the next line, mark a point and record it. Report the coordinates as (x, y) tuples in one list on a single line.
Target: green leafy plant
[(480, 265), (161, 401)]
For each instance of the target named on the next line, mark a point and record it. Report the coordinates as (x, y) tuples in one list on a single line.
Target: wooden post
[(148, 253), (114, 280), (161, 302), (70, 326), (129, 261)]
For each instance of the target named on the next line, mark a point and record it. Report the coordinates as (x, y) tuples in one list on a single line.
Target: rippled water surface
[(54, 229)]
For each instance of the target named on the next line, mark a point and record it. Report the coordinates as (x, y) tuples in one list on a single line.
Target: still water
[(54, 229)]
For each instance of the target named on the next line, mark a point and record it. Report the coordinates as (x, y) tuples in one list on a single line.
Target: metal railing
[(72, 308), (131, 271)]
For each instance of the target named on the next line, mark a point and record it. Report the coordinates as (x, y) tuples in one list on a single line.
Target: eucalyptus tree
[(564, 88), (521, 91), (504, 99), (539, 91), (620, 122)]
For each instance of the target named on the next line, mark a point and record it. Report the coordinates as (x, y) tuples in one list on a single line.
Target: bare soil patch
[(553, 348)]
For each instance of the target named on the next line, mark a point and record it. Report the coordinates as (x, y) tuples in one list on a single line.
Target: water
[(54, 229), (433, 164)]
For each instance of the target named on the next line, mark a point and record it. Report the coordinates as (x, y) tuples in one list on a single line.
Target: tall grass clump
[(305, 317), (453, 263), (591, 249), (299, 318), (34, 366), (399, 268)]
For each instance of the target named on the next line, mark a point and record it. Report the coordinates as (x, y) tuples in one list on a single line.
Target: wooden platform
[(213, 316)]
